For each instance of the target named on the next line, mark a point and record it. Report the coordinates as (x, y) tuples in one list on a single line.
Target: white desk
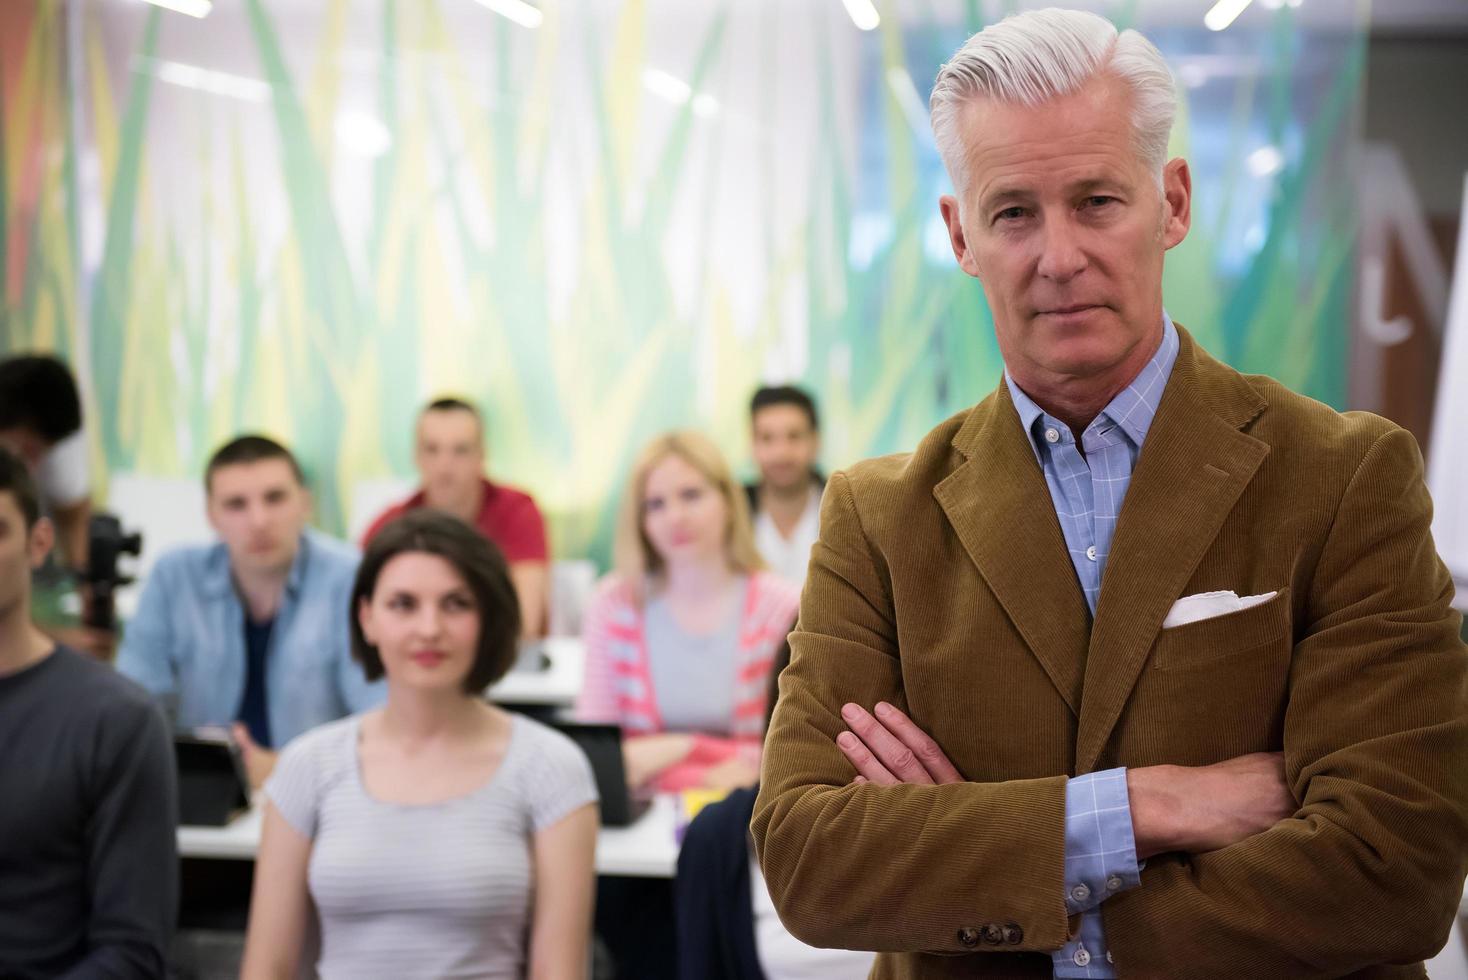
[(646, 849), (557, 686)]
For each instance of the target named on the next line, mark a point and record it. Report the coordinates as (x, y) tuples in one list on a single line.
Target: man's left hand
[(887, 749)]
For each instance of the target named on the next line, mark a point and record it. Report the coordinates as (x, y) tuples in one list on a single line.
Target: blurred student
[(439, 835), (88, 856), (679, 638), (785, 440), (727, 926), (249, 631), (449, 453), (41, 422)]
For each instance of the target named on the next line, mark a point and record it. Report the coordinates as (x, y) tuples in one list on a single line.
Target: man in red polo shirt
[(449, 453)]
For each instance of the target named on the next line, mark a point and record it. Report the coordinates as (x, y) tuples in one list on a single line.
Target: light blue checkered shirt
[(1088, 491)]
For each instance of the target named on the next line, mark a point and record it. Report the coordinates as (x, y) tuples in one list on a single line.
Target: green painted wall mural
[(308, 218)]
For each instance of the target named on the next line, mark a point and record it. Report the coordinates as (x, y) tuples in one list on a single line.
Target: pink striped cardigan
[(618, 685)]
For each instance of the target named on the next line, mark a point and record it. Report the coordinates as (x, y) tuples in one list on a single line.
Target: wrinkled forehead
[(1086, 135)]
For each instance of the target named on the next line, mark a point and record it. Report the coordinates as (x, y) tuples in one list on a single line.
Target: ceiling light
[(518, 11), (194, 8), (1224, 13), (363, 134), (669, 87), (211, 81), (1265, 161), (863, 14)]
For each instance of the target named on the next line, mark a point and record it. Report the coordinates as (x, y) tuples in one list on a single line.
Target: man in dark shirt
[(88, 854)]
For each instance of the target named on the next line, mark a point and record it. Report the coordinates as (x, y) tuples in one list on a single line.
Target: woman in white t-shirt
[(438, 836)]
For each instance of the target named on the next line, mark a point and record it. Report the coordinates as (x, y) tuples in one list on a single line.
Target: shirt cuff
[(1100, 850)]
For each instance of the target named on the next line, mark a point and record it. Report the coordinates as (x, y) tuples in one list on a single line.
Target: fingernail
[(883, 709), (850, 711), (846, 740)]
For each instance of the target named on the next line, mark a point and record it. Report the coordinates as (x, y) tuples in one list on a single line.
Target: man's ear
[(948, 207), (1177, 196), (42, 537)]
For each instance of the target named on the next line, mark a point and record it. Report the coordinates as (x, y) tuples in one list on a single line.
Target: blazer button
[(969, 936), (1013, 934), (993, 935)]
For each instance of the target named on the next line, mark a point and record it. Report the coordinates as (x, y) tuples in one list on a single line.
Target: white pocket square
[(1206, 605)]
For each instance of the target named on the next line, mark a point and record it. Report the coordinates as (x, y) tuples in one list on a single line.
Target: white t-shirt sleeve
[(294, 786), (560, 781), (64, 477)]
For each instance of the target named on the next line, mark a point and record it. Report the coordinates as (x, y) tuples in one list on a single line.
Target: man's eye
[(1010, 214), (1099, 200)]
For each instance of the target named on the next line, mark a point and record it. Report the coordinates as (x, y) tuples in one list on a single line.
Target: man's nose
[(1061, 256)]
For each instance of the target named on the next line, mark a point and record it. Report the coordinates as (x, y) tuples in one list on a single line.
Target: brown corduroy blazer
[(941, 583)]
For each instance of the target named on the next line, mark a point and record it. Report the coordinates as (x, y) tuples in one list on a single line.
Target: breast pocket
[(1217, 687), (1225, 637)]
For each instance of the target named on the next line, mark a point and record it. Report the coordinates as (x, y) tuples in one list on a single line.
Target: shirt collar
[(219, 580), (1132, 409)]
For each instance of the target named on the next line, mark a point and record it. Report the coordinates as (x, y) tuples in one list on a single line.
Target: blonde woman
[(680, 636)]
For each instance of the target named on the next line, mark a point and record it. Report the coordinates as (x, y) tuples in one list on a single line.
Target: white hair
[(1031, 58)]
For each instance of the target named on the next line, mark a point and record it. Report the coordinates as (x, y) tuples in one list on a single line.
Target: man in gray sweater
[(88, 854)]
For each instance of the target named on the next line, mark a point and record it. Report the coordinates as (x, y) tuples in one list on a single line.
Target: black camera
[(107, 542)]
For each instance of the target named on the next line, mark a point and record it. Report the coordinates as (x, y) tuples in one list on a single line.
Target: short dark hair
[(249, 448), (475, 558), (785, 395), (453, 405), (16, 480), (38, 392)]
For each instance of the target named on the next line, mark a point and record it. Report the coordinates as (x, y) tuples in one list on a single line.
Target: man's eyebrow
[(1004, 192), (1019, 192)]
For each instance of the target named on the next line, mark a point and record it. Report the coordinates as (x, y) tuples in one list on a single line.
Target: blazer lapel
[(1000, 508), (1193, 467)]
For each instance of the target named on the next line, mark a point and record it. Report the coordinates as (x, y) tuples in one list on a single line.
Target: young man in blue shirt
[(251, 631)]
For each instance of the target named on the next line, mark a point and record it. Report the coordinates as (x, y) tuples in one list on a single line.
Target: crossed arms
[(1366, 869)]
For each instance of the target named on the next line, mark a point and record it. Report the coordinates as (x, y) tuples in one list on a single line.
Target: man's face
[(259, 510), (1066, 229), (784, 445), (21, 552), (26, 443), (449, 454)]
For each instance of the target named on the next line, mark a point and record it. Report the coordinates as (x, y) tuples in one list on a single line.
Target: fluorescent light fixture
[(863, 14), (518, 11), (211, 81), (705, 106), (194, 8), (666, 86), (1224, 13), (363, 134), (677, 91), (1265, 161)]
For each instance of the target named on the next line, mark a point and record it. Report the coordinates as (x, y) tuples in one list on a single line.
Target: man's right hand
[(1204, 808)]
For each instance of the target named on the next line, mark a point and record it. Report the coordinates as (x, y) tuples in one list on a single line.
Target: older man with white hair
[(1141, 667)]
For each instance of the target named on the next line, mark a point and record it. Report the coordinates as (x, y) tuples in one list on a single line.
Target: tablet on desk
[(602, 745), (212, 786)]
